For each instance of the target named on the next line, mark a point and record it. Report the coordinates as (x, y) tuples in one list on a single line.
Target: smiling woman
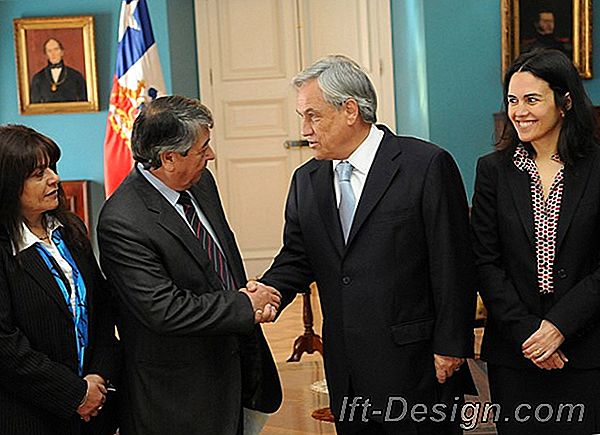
[(533, 111), (535, 223)]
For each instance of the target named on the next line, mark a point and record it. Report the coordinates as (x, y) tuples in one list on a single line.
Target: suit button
[(561, 273), (346, 280)]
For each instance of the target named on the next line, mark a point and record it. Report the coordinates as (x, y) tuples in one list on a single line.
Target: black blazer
[(504, 243), (71, 86), (40, 389), (401, 288), (192, 352)]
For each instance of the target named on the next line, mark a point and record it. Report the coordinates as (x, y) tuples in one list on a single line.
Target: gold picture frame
[(69, 87), (571, 18)]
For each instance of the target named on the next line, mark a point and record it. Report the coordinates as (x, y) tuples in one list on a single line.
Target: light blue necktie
[(347, 199)]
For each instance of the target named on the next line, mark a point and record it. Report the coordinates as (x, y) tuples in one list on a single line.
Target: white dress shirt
[(361, 159), (29, 239)]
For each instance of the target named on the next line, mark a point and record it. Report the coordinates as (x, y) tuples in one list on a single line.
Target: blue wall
[(461, 74), (81, 135), (463, 49), (410, 68)]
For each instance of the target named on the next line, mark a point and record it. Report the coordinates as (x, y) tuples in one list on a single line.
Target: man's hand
[(94, 398), (556, 361), (445, 366), (543, 343), (265, 301)]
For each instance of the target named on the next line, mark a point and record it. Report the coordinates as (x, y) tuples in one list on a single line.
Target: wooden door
[(248, 52)]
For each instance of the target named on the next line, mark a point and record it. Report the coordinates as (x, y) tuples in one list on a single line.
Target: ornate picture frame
[(562, 24), (56, 64)]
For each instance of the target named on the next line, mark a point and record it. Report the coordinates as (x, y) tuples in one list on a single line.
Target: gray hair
[(171, 123), (340, 78)]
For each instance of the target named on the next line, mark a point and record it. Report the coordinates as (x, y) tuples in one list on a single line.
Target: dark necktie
[(216, 257)]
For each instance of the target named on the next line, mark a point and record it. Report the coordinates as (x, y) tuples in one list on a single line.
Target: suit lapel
[(322, 185), (38, 270), (520, 188), (173, 223), (574, 182), (381, 174)]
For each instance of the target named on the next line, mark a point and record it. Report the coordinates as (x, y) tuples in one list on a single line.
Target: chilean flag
[(138, 79)]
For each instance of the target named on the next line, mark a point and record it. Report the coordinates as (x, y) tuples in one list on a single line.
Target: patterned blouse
[(545, 216)]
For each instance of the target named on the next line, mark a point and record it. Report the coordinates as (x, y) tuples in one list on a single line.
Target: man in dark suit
[(387, 243), (544, 36), (57, 82), (193, 354)]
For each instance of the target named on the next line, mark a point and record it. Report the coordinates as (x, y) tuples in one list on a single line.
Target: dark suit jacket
[(40, 388), (400, 289), (192, 351), (71, 86), (504, 243)]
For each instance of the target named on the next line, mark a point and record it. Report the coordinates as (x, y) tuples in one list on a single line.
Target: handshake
[(265, 301)]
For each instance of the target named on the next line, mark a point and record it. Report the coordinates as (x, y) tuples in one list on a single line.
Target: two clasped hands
[(94, 398), (542, 347), (265, 301)]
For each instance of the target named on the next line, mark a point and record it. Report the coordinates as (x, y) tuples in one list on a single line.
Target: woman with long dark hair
[(536, 228), (56, 333)]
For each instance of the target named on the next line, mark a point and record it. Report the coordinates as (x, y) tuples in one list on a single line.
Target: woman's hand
[(543, 343), (94, 398)]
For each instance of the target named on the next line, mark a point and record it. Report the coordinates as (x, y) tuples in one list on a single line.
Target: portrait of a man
[(56, 64), (546, 24), (564, 25), (57, 82)]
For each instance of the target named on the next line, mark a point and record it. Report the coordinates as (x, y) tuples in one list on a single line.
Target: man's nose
[(306, 128), (210, 153)]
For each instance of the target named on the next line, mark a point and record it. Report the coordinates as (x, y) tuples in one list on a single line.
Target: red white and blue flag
[(138, 79)]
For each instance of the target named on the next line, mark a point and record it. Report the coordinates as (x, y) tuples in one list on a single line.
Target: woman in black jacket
[(56, 332), (536, 227)]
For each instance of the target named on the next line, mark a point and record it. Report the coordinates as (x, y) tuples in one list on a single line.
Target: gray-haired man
[(380, 223)]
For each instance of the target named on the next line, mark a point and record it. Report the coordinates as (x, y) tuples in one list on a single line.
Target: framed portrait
[(56, 64), (565, 25)]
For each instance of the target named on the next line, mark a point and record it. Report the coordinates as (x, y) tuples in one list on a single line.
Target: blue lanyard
[(80, 309)]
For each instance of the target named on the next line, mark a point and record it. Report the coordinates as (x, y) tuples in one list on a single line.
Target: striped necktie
[(216, 257)]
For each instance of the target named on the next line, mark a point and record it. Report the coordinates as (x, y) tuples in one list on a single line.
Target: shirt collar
[(362, 157), (29, 239), (522, 157), (170, 195)]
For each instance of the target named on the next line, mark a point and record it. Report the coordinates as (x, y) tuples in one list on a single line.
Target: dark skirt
[(546, 402)]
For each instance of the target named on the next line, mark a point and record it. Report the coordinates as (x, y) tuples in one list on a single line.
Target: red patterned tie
[(215, 255)]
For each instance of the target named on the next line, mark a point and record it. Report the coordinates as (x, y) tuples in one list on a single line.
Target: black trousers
[(376, 428), (546, 402), (405, 426)]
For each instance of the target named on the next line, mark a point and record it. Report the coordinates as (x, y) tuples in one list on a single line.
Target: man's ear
[(167, 160), (351, 110)]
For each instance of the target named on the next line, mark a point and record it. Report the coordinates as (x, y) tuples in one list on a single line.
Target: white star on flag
[(127, 19)]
